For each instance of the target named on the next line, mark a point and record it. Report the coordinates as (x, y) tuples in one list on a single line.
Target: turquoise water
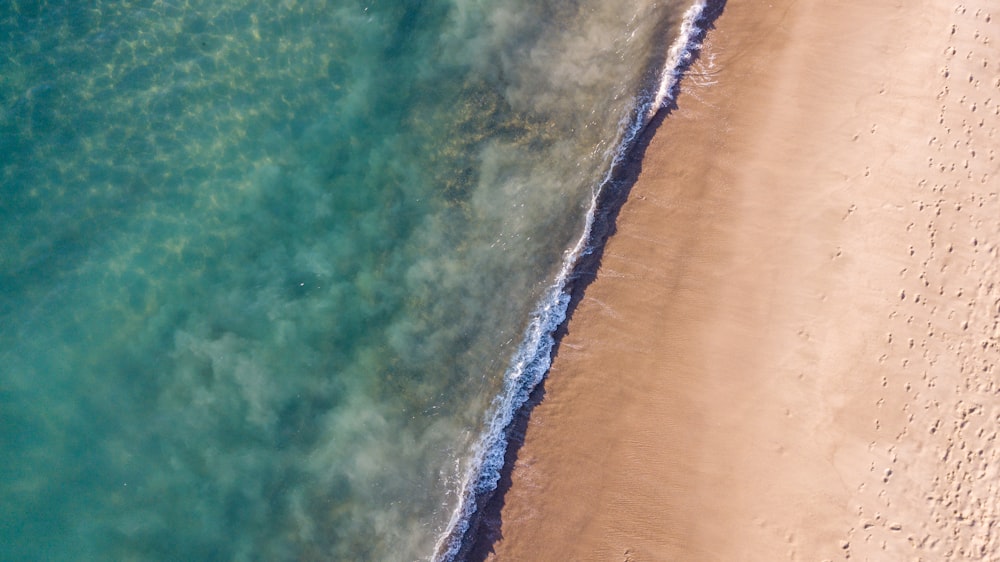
[(264, 265)]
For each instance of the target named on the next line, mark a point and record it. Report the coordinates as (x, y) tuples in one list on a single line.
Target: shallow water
[(263, 265)]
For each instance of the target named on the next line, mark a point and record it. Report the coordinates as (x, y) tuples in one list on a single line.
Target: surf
[(534, 355)]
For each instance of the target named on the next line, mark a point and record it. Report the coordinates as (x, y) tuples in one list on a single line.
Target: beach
[(790, 350)]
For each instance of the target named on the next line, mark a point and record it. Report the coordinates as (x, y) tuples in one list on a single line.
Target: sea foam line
[(533, 358)]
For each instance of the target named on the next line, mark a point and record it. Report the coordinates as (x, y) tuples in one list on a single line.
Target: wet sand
[(791, 350)]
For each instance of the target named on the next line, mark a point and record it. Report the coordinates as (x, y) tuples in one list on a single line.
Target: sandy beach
[(791, 350)]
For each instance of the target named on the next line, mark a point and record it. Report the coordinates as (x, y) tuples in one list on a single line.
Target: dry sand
[(792, 347)]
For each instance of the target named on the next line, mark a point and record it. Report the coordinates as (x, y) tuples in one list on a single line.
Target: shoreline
[(782, 227), (472, 520), (486, 530)]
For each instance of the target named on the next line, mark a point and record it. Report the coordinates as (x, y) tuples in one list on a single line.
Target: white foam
[(534, 356)]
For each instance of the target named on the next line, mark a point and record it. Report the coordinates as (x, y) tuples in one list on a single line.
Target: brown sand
[(792, 347)]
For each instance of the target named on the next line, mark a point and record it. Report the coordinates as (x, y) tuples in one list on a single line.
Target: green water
[(263, 264)]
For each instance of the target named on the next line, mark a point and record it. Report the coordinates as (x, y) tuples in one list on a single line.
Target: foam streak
[(534, 356)]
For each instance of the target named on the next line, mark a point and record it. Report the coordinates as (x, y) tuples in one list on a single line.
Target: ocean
[(274, 276)]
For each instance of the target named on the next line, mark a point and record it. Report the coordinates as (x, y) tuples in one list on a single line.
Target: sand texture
[(791, 350)]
